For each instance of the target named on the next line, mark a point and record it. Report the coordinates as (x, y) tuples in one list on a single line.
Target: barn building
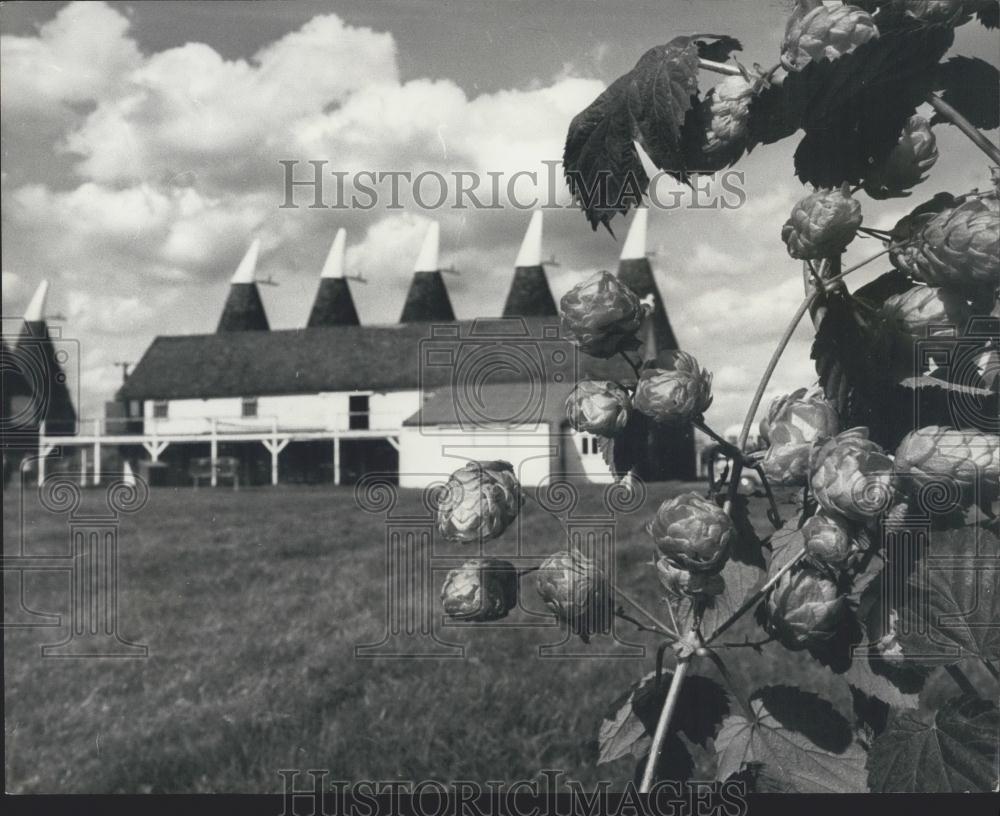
[(335, 400)]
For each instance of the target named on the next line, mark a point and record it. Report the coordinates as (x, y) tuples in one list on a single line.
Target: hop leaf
[(972, 87), (647, 105), (799, 733), (950, 751)]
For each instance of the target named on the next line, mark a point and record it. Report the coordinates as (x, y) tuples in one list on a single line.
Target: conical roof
[(529, 294), (36, 369), (244, 309), (334, 305), (428, 298), (635, 271)]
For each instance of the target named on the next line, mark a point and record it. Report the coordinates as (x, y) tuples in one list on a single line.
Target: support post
[(97, 462), (83, 467), (214, 454), (336, 460)]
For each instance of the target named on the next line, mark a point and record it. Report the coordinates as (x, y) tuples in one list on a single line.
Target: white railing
[(210, 426)]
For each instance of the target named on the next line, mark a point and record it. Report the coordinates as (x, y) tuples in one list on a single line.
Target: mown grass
[(251, 604)]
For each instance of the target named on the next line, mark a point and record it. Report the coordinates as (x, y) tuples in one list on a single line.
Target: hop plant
[(815, 32), (695, 534), (828, 541), (926, 311), (805, 608), (573, 587), (602, 315), (907, 164), (822, 224), (852, 476), (681, 583), (964, 459), (953, 12), (482, 589), (479, 502), (727, 114), (598, 407), (674, 395), (956, 247), (793, 424)]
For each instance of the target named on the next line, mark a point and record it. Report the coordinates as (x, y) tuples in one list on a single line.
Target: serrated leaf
[(631, 719), (701, 705), (629, 450), (951, 751), (972, 87), (853, 108), (796, 736), (622, 734), (675, 762), (647, 105), (954, 598), (989, 14)]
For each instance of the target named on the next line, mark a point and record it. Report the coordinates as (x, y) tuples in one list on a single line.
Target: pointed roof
[(428, 298), (35, 312), (37, 370), (334, 305), (333, 267), (635, 271), (427, 260), (244, 309), (529, 294)]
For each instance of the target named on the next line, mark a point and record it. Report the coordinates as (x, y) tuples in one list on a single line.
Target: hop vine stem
[(683, 664), (958, 120)]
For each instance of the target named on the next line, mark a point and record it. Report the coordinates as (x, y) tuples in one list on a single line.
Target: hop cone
[(694, 533), (956, 247), (598, 407), (828, 541), (578, 592), (816, 32), (926, 311), (482, 589), (793, 424), (852, 476), (602, 315), (945, 456), (727, 116), (480, 501), (674, 395), (952, 12), (907, 164), (683, 583), (804, 608), (822, 225)]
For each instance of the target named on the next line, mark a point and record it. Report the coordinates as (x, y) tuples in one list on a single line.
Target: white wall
[(575, 462), (428, 455), (324, 411)]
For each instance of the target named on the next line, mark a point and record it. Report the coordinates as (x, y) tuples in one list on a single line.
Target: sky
[(141, 145)]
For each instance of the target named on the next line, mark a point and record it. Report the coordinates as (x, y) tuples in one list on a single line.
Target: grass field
[(251, 604)]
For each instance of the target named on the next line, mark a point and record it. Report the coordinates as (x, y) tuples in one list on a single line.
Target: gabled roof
[(349, 358), (493, 405), (637, 274)]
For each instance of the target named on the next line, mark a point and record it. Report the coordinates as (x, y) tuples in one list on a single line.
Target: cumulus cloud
[(81, 56)]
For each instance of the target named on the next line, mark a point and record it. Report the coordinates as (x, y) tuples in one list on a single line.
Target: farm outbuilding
[(337, 400)]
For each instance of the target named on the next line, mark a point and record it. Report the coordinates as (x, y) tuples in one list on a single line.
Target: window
[(160, 409), (586, 445), (249, 408), (357, 408)]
